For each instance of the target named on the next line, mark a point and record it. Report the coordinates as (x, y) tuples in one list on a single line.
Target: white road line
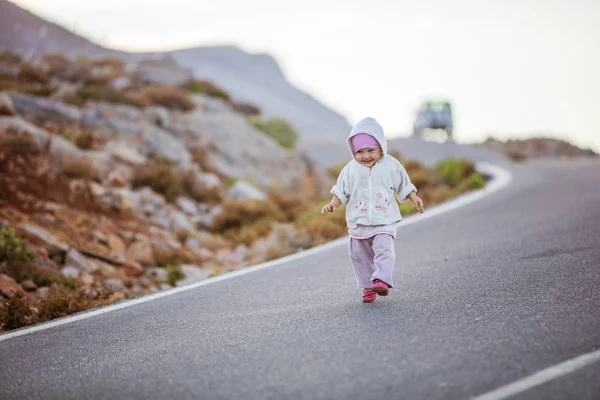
[(541, 377), (501, 178)]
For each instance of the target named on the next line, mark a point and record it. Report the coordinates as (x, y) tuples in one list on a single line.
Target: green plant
[(278, 129), (173, 274), (13, 248), (453, 169), (9, 58), (205, 87), (476, 181)]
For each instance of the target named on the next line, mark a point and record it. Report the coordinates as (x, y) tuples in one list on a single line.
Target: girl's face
[(368, 157)]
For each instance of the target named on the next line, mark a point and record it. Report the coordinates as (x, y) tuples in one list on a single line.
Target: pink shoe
[(369, 296), (380, 287)]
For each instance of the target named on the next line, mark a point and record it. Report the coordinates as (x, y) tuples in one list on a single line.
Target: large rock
[(191, 274), (140, 252), (243, 190), (72, 160), (43, 110), (77, 260), (239, 150), (125, 152), (15, 126), (9, 288), (205, 186), (45, 238), (6, 105)]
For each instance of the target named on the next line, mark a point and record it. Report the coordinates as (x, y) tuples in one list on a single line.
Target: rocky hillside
[(254, 78), (119, 182), (258, 79)]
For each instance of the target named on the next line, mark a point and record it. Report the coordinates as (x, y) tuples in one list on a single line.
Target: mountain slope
[(257, 78), (25, 33)]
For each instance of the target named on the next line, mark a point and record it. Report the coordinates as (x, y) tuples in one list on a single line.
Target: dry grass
[(160, 177), (167, 96), (20, 144), (108, 94)]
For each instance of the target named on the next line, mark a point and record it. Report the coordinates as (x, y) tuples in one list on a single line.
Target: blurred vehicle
[(434, 115)]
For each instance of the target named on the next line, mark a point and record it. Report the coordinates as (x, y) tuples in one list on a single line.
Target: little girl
[(368, 186)]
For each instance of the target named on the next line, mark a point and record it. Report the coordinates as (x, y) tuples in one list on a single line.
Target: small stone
[(29, 285), (70, 272)]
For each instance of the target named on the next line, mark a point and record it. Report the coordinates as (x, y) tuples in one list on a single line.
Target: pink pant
[(373, 258)]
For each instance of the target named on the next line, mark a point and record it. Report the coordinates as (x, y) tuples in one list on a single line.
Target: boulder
[(9, 288), (43, 237), (243, 190), (17, 127), (44, 110), (140, 252), (77, 260), (191, 274), (6, 105)]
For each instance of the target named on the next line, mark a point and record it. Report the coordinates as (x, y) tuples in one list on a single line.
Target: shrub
[(476, 181), (111, 95), (111, 62), (13, 248), (42, 276), (246, 109), (62, 302), (238, 213), (7, 57), (14, 313), (205, 87), (278, 129), (20, 144), (247, 234), (85, 141), (292, 205), (29, 73), (160, 177), (322, 227), (73, 99), (167, 96), (173, 274), (31, 88), (453, 170)]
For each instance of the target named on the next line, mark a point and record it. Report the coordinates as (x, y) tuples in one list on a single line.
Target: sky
[(510, 68)]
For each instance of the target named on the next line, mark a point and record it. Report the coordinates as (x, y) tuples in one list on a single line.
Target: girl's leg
[(361, 257), (384, 257)]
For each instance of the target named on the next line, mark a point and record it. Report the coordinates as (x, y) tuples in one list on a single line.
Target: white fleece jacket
[(368, 193)]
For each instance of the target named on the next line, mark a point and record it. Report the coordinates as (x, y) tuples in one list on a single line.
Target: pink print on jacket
[(381, 203)]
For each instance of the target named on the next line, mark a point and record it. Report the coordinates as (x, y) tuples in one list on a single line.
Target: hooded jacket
[(368, 193)]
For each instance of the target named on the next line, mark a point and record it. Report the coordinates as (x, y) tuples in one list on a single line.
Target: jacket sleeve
[(404, 186), (342, 188)]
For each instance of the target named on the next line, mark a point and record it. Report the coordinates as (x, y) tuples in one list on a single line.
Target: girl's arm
[(332, 206)]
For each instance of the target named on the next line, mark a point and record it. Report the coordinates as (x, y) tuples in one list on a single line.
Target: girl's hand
[(417, 202), (328, 208)]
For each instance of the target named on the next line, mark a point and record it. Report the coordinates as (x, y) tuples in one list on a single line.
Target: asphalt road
[(485, 295)]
